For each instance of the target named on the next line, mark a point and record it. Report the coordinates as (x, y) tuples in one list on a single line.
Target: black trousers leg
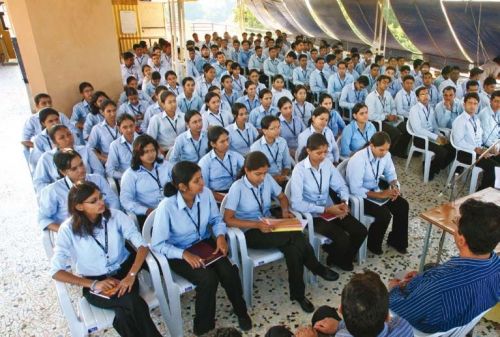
[(444, 154), (398, 237), (346, 234), (487, 164), (394, 134), (378, 228), (298, 253)]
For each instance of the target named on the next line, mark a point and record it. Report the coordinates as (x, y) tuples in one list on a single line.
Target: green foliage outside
[(249, 20)]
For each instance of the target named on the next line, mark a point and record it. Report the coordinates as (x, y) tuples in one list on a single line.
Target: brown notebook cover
[(284, 225), (205, 251)]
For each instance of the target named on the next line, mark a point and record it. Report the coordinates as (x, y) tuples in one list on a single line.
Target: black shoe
[(245, 322), (200, 332), (345, 266), (399, 250), (328, 274), (305, 304), (376, 251)]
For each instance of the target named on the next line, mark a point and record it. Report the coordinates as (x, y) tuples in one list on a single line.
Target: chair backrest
[(169, 152), (288, 189), (49, 242), (223, 206), (147, 228), (409, 128), (342, 167), (113, 185)]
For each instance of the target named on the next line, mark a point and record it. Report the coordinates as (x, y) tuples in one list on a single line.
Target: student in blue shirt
[(82, 108), (132, 83), (317, 80), (214, 114), (291, 125), (489, 117), (354, 93), (286, 67), (134, 106), (192, 144), (171, 83), (141, 188), (204, 82), (251, 99), (335, 122), (241, 133), (153, 109), (220, 166), (448, 109), (95, 116), (48, 118), (100, 266), (358, 132), (382, 199), (319, 124), (278, 89), (312, 179), (271, 63), (254, 75), (405, 98), (302, 108), (434, 96), (248, 201), (338, 81), (105, 132), (238, 79), (465, 286), (264, 109), (53, 205), (120, 150), (244, 55), (150, 88), (301, 74), (275, 148), (256, 61), (229, 95)]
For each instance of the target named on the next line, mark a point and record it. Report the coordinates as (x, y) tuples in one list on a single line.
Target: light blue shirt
[(372, 83), (355, 75), (244, 57), (42, 143), (395, 86), (354, 139), (150, 89), (290, 131), (445, 117), (202, 86), (235, 54), (220, 174), (185, 104), (250, 202), (277, 153), (89, 258), (46, 171), (165, 129), (301, 76), (142, 97), (241, 140), (119, 157), (32, 126), (186, 148), (303, 111), (221, 118), (271, 67), (333, 150), (80, 112), (256, 62), (434, 96), (53, 203), (364, 172), (230, 98), (423, 121), (286, 70), (380, 106), (350, 96), (336, 123), (219, 69), (404, 102), (192, 70), (239, 84), (467, 131), (101, 137), (143, 189), (176, 226), (336, 84), (258, 113), (152, 110), (250, 104), (490, 122), (90, 121), (316, 82), (200, 62), (310, 186), (134, 110), (281, 93)]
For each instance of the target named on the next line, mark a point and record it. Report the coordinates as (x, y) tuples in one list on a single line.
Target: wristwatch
[(132, 274)]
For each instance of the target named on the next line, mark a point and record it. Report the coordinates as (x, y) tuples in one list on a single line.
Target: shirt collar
[(104, 123), (181, 204), (155, 166), (370, 155), (264, 142), (68, 181), (480, 263), (249, 184), (164, 115), (190, 136), (123, 140), (213, 155)]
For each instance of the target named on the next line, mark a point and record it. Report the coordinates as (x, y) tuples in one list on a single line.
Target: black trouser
[(347, 236), (399, 137), (206, 281), (132, 317), (487, 164), (298, 253), (398, 237), (444, 154)]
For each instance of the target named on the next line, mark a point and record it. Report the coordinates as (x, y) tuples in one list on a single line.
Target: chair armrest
[(164, 268), (154, 272), (68, 309), (112, 184), (446, 132), (357, 206), (242, 242), (233, 246)]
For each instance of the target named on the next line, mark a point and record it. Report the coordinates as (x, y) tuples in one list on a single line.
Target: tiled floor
[(28, 303)]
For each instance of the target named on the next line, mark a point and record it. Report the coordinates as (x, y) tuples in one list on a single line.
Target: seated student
[(358, 132), (330, 65), (150, 88), (256, 61), (229, 95), (489, 117), (241, 133), (105, 132), (251, 99), (192, 144), (82, 108), (278, 90), (302, 108), (275, 148), (204, 82), (489, 86), (95, 116), (141, 188), (448, 109), (354, 93), (271, 63), (187, 216), (83, 238), (335, 122), (467, 133), (291, 125), (120, 150), (431, 88), (48, 118), (453, 82), (466, 285), (396, 83), (203, 60), (405, 98), (220, 165), (224, 105), (32, 126), (317, 80), (133, 83), (53, 205), (214, 114), (147, 79), (153, 109), (157, 65), (129, 69), (134, 106), (187, 100), (171, 83), (61, 137), (364, 170), (423, 122), (248, 200), (301, 74), (166, 126), (285, 68), (319, 124), (264, 109), (253, 76), (338, 81), (238, 79), (219, 64), (312, 196), (372, 73), (350, 68)]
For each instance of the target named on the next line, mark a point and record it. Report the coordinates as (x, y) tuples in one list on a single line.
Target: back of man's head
[(365, 305), (480, 225)]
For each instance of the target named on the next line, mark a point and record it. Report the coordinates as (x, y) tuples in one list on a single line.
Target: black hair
[(130, 79), (417, 63), (123, 117), (107, 102), (380, 138), (380, 78), (297, 88), (165, 94), (314, 142), (159, 89), (235, 109), (83, 86), (190, 114), (263, 92), (182, 173), (378, 58), (93, 101), (302, 56), (144, 67), (53, 130), (129, 91), (489, 81), (254, 161), (213, 134), (63, 158), (450, 87), (319, 58), (138, 150), (404, 68), (213, 88), (419, 90), (282, 101), (342, 62), (329, 58), (279, 331), (170, 72), (364, 80), (357, 107), (156, 75), (45, 113), (471, 95), (374, 65), (207, 67), (225, 77), (227, 332), (248, 84), (128, 55), (408, 77), (479, 223), (187, 79), (495, 94), (390, 68), (278, 77), (39, 97), (209, 96), (235, 65), (265, 122), (471, 83), (365, 304), (324, 96)]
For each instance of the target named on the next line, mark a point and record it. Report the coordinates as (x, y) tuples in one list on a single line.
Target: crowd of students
[(181, 149)]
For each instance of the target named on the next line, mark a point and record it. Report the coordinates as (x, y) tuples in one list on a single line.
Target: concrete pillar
[(64, 43)]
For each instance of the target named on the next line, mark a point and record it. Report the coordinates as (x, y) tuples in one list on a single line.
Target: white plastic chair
[(460, 331), (27, 154), (132, 216), (249, 258), (87, 319), (427, 155), (456, 163), (113, 185)]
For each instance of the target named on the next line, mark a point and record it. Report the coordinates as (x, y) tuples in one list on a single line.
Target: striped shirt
[(449, 295)]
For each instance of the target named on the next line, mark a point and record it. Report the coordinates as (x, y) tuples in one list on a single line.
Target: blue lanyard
[(320, 183), (303, 112), (155, 178), (105, 246), (230, 170), (289, 128), (196, 224), (259, 202), (274, 156), (375, 175), (109, 131), (221, 120), (247, 141), (197, 149), (174, 127), (188, 107)]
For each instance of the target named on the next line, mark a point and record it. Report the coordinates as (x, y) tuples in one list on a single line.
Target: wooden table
[(445, 217)]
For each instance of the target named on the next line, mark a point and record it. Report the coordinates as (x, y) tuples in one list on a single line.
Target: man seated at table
[(454, 293)]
